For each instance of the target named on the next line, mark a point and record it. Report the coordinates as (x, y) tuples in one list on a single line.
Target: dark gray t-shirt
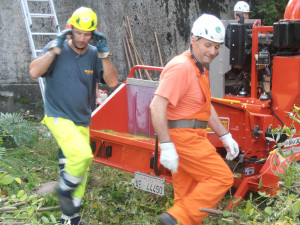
[(70, 86)]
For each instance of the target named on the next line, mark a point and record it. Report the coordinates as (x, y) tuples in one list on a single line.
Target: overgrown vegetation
[(111, 197), (269, 11), (16, 131), (283, 208)]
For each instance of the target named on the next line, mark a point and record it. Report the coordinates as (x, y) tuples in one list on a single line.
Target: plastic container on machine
[(103, 95)]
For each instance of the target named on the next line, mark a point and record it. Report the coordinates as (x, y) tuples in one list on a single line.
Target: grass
[(110, 196)]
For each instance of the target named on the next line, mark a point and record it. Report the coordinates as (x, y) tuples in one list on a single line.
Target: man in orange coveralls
[(180, 111)]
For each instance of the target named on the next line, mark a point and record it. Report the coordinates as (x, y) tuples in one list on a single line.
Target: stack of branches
[(295, 187), (132, 55), (19, 215)]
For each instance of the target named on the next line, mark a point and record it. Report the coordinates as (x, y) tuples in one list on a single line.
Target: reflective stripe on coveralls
[(203, 177), (79, 191), (74, 143)]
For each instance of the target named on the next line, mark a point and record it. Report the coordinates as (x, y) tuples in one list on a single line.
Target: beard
[(76, 45)]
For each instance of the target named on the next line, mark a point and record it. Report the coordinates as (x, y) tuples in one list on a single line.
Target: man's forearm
[(160, 125), (159, 119), (40, 65), (110, 74), (215, 124)]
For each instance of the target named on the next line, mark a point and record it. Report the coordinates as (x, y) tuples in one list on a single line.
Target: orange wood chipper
[(261, 87)]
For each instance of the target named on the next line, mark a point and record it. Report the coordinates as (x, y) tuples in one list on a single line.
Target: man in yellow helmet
[(71, 69)]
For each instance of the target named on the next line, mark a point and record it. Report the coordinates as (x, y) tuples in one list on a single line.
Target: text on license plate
[(149, 183)]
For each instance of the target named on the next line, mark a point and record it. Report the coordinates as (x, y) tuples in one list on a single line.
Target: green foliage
[(269, 11), (2, 152), (112, 199), (291, 174), (1, 141), (8, 179), (24, 164), (17, 131), (23, 207), (116, 201), (283, 208)]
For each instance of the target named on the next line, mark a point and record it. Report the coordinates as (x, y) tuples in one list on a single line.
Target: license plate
[(149, 183)]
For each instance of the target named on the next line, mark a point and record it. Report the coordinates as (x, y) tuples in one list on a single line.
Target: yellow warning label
[(224, 121)]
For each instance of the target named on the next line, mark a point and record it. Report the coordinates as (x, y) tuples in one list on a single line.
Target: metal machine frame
[(247, 117)]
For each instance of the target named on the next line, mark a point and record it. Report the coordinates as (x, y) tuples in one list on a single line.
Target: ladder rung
[(37, 0), (44, 34), (41, 15)]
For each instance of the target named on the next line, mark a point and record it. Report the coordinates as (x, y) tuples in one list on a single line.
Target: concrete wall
[(170, 19)]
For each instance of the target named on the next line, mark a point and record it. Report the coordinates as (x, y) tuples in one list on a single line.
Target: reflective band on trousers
[(74, 142), (72, 179), (193, 123)]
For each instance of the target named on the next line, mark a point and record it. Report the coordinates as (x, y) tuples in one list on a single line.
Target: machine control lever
[(256, 132), (157, 170)]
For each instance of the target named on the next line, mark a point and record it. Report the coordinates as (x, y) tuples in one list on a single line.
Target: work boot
[(74, 221), (66, 203), (167, 219)]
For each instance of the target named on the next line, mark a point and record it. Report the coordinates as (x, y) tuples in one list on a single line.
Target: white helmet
[(209, 27), (241, 6)]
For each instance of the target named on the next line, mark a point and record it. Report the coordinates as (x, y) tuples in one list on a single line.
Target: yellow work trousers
[(74, 142), (202, 179)]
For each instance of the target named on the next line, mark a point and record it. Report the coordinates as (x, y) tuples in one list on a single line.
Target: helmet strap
[(198, 64)]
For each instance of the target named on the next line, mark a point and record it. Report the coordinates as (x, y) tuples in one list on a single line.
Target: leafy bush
[(112, 199), (17, 131), (269, 11), (283, 208), (2, 152), (22, 206)]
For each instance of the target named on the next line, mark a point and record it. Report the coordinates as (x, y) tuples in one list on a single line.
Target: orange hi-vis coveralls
[(203, 177)]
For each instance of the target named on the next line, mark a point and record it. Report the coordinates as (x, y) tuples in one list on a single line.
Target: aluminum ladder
[(30, 33)]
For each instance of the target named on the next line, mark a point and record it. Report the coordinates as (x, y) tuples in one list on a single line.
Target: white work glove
[(168, 156), (231, 146)]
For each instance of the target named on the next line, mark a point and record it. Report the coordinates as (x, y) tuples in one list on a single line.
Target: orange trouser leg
[(201, 181)]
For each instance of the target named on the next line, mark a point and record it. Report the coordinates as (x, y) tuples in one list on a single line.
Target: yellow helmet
[(84, 19)]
